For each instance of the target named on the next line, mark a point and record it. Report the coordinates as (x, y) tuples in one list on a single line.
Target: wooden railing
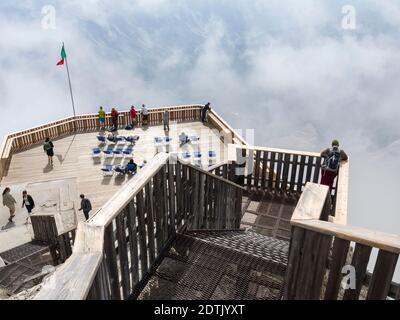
[(319, 250), (260, 169), (225, 129), (21, 140), (114, 251)]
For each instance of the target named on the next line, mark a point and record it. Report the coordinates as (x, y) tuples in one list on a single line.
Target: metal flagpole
[(70, 87)]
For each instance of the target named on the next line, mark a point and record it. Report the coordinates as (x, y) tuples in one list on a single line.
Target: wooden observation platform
[(250, 223)]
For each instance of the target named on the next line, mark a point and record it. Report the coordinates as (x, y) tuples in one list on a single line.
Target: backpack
[(47, 146), (332, 162), (88, 205)]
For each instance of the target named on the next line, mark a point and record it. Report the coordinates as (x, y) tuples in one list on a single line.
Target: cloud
[(285, 68)]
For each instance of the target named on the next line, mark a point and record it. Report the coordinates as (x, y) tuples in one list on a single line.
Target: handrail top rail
[(82, 116), (217, 165), (376, 239), (112, 208), (243, 141), (206, 172), (8, 139), (276, 150)]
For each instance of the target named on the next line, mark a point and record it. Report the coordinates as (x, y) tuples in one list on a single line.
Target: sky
[(300, 73)]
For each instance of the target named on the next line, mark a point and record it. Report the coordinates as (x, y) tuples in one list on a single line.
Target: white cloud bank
[(285, 68)]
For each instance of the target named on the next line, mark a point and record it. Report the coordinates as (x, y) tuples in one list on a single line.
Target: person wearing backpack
[(28, 203), (48, 147), (86, 206), (330, 168)]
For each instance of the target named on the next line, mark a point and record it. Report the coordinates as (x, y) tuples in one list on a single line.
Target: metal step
[(221, 265)]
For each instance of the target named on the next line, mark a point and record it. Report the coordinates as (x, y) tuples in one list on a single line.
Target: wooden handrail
[(225, 125), (276, 150), (207, 172), (93, 269), (308, 168), (21, 139), (376, 239), (314, 242), (120, 200)]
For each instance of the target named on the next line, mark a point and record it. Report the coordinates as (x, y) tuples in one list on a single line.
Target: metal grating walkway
[(219, 265), (24, 266)]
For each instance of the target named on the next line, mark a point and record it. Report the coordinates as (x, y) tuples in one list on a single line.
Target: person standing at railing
[(114, 119), (48, 147), (330, 168), (9, 202), (133, 115), (204, 111), (86, 206), (145, 115), (102, 118), (166, 120)]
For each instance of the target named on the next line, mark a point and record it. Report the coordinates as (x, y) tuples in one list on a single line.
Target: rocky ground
[(23, 295)]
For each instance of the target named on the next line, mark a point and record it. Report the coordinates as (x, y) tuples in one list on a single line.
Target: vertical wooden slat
[(159, 210), (111, 259), (133, 244), (293, 173), (383, 274), (202, 190), (172, 197), (319, 268), (360, 263), (301, 173), (278, 171), (293, 265), (142, 232), (285, 172), (150, 221), (271, 170), (305, 275), (123, 255), (179, 193), (317, 170), (166, 209), (264, 169), (257, 170), (339, 255), (309, 166)]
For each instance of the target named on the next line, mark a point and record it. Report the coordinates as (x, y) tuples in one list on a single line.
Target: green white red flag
[(63, 56)]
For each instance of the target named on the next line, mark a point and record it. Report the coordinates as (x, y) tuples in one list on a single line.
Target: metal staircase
[(219, 265)]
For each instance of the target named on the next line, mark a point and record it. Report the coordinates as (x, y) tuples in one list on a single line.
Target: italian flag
[(63, 56)]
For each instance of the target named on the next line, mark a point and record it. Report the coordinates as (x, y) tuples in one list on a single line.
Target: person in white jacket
[(9, 202)]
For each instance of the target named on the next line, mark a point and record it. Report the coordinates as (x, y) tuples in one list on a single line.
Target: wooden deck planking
[(73, 159)]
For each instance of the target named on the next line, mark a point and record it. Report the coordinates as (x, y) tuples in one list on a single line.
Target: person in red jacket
[(133, 115), (114, 119)]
